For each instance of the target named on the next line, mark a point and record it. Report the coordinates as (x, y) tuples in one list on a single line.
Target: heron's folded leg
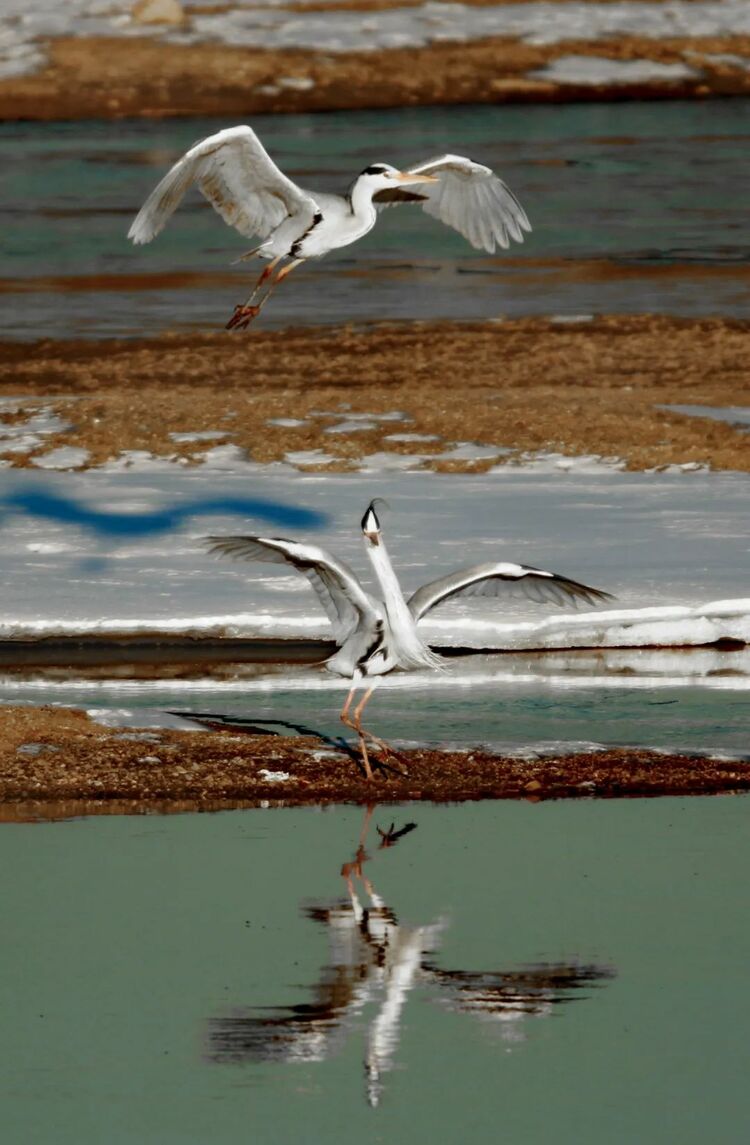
[(381, 743), (244, 312)]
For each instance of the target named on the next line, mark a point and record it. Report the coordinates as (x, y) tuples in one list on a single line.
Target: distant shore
[(527, 386), (57, 763), (115, 77)]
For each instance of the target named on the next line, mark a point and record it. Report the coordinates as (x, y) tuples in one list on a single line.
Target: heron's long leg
[(357, 723), (244, 312), (285, 270), (243, 315), (344, 717)]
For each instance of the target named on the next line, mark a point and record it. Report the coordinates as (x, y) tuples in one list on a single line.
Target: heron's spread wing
[(503, 579), (240, 180), (470, 198), (336, 584)]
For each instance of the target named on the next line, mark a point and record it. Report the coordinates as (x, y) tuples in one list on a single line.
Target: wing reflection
[(375, 961)]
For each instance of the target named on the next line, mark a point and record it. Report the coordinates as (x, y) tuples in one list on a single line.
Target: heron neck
[(360, 198), (410, 650), (393, 597)]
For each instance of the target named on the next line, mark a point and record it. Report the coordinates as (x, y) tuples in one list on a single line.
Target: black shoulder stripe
[(373, 648), (295, 247)]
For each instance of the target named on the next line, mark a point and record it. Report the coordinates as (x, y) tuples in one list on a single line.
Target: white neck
[(360, 198), (410, 650)]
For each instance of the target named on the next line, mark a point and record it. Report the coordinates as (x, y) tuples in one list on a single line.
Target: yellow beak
[(406, 177)]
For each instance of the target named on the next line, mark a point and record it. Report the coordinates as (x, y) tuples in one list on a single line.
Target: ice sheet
[(673, 547)]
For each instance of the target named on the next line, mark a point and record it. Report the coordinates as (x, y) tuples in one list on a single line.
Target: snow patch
[(560, 463), (200, 435), (24, 28), (590, 70), (64, 457)]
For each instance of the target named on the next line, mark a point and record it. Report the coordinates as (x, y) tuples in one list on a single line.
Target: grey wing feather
[(236, 174), (503, 579), (470, 198), (335, 583)]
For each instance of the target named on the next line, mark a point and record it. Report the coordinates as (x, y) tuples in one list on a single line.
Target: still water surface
[(635, 207), (549, 974)]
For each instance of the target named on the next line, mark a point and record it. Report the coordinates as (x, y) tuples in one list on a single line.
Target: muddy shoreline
[(526, 385), (56, 762)]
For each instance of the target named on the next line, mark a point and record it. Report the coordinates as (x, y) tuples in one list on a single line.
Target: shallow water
[(503, 702), (635, 207), (738, 416), (553, 973)]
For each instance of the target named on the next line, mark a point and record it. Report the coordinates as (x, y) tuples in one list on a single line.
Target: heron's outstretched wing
[(503, 579), (336, 584), (472, 199), (240, 180)]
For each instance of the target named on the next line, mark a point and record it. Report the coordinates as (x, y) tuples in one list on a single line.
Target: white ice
[(674, 548), (592, 70)]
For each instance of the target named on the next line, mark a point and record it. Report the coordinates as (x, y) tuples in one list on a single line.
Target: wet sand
[(118, 77), (55, 762), (528, 385)]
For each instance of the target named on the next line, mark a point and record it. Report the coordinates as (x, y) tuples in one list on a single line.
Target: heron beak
[(371, 526), (405, 177)]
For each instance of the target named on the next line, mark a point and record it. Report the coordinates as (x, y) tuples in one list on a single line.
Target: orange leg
[(381, 743), (244, 314), (344, 717)]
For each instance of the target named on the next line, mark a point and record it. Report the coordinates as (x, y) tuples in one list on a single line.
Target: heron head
[(370, 522), (384, 176)]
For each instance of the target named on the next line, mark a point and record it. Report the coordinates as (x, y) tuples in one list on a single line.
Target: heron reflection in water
[(375, 960)]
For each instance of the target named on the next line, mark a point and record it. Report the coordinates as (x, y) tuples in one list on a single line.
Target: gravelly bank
[(594, 387), (55, 762)]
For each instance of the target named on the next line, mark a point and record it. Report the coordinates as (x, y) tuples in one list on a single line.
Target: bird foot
[(387, 757), (242, 317)]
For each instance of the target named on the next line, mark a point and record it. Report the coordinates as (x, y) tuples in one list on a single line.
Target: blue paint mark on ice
[(68, 511)]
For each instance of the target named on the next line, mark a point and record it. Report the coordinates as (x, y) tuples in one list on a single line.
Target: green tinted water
[(642, 186), (570, 973)]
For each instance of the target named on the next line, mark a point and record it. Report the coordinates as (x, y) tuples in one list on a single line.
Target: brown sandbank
[(117, 77), (55, 762), (528, 385)]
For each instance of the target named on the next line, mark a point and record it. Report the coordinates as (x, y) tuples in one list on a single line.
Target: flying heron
[(377, 635), (236, 174)]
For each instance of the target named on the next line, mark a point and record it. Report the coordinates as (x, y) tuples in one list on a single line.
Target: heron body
[(238, 177), (378, 634)]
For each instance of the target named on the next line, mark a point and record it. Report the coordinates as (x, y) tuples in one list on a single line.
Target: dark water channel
[(635, 207), (552, 974)]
